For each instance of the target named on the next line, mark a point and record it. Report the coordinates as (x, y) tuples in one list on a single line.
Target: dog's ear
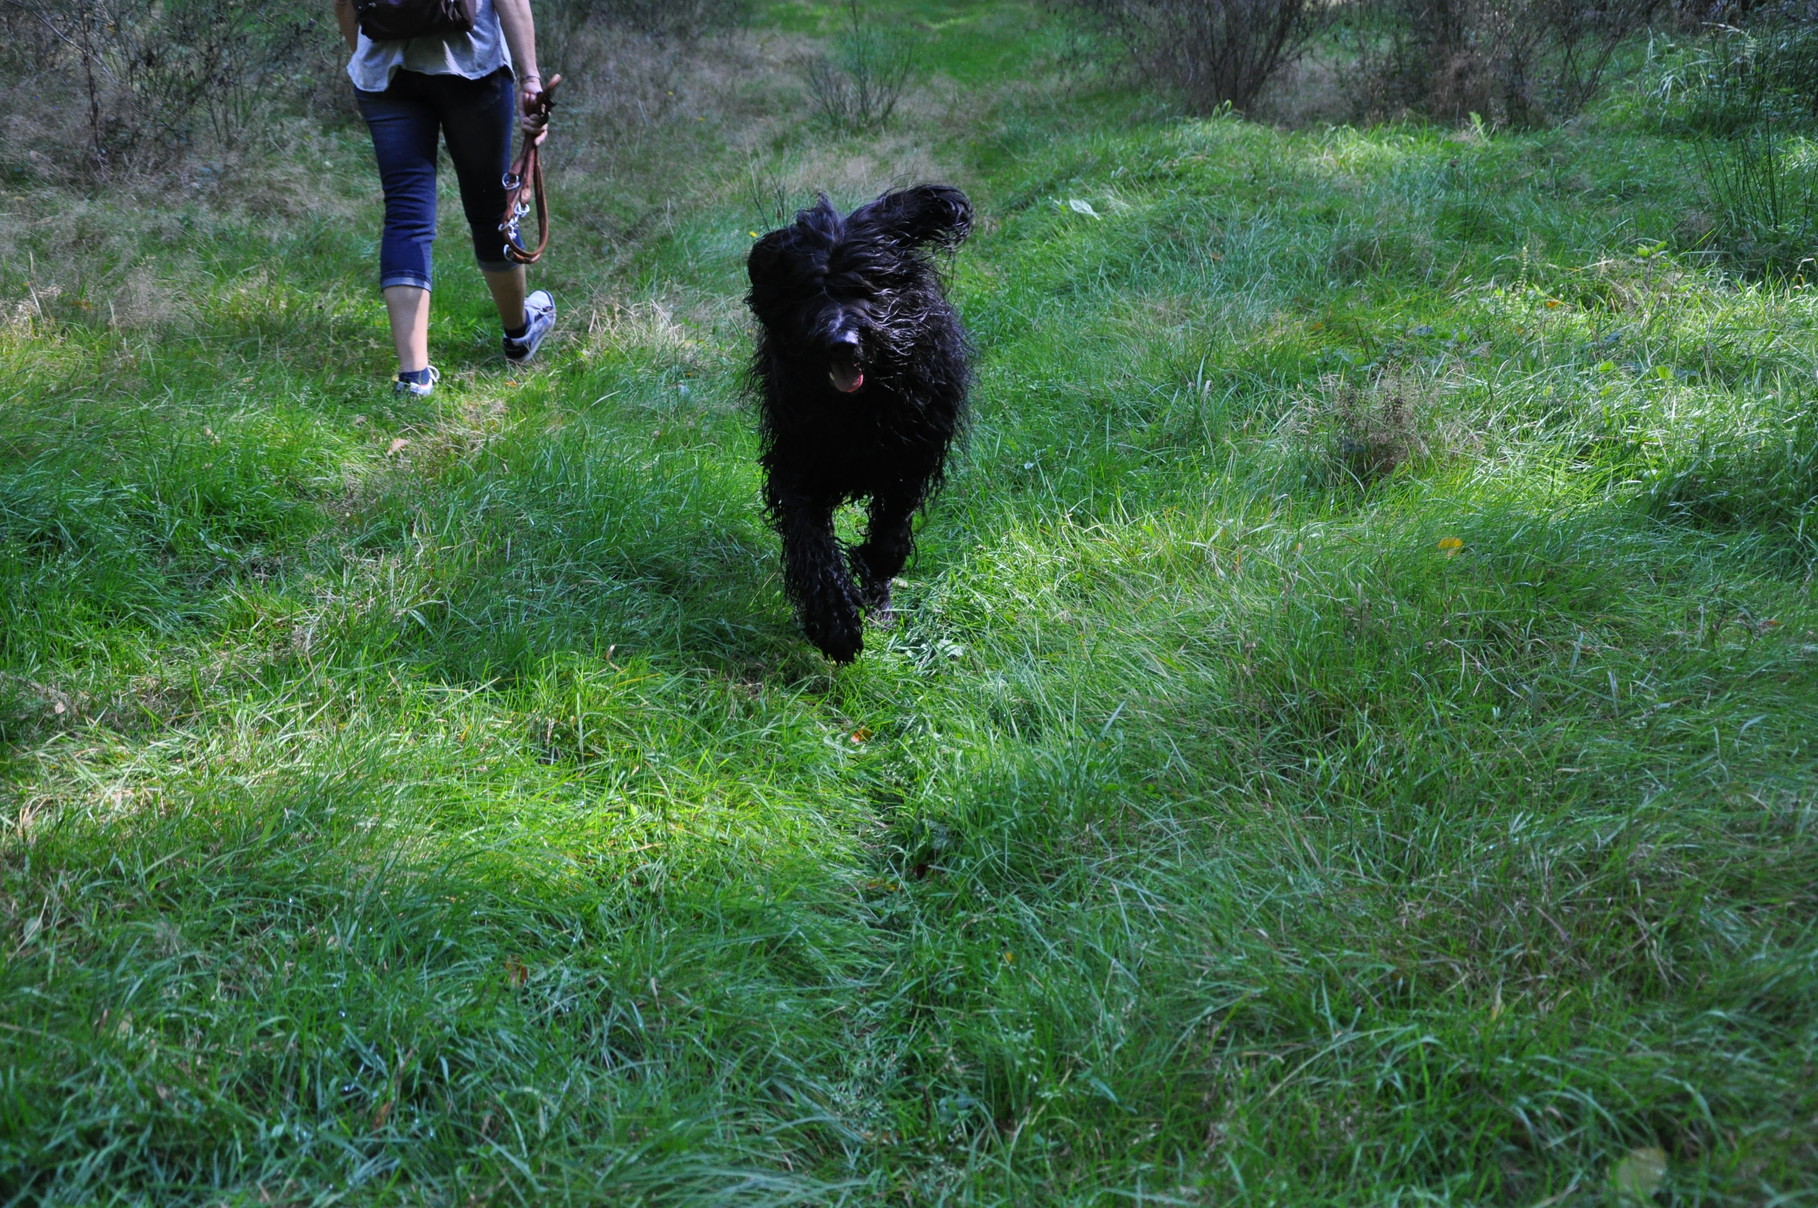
[(765, 255), (937, 214)]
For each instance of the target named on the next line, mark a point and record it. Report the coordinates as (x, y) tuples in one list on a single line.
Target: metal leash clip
[(513, 214)]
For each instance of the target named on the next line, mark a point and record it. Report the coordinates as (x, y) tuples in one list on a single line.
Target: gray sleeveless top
[(473, 55)]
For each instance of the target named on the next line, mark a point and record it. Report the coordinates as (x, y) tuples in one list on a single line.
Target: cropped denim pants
[(476, 117)]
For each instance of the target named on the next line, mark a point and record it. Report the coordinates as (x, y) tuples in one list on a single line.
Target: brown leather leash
[(525, 182)]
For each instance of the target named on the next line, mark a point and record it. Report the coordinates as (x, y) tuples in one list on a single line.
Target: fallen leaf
[(1638, 1176), (862, 734), (516, 971), (396, 445)]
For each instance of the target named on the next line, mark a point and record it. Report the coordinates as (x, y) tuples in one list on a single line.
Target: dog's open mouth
[(846, 376)]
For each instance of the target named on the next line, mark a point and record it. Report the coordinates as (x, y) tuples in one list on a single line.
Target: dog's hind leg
[(889, 543), (815, 578)]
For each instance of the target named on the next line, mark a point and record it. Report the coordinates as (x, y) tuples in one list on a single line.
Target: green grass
[(1348, 738)]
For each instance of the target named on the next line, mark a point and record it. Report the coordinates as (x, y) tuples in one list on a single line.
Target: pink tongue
[(846, 378)]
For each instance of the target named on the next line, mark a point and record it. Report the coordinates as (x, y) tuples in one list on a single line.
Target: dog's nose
[(846, 342)]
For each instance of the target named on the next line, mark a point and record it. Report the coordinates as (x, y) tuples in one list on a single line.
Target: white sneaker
[(403, 385), (539, 313)]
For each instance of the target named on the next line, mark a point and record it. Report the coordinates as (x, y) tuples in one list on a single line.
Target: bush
[(1515, 62), (152, 79), (859, 85), (1215, 52)]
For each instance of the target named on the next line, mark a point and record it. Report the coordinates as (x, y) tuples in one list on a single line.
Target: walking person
[(465, 85)]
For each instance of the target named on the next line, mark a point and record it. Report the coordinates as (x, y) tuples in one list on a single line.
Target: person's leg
[(478, 117), (507, 288), (407, 306), (404, 129)]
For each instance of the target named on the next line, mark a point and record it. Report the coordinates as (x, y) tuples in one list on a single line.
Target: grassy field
[(1349, 739)]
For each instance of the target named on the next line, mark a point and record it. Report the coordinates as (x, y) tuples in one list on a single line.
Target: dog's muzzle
[(844, 369)]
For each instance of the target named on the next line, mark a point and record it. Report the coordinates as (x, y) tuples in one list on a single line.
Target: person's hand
[(533, 113)]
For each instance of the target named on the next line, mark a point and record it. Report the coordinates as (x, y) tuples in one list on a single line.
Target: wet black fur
[(830, 290)]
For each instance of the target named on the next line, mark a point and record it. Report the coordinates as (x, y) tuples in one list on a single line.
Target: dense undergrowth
[(1348, 738)]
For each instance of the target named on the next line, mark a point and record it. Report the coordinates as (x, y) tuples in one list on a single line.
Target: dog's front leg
[(814, 576), (889, 543)]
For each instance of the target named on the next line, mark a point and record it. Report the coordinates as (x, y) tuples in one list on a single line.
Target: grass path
[(1349, 738)]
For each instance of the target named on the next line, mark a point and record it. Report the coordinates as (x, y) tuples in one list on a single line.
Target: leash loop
[(524, 187)]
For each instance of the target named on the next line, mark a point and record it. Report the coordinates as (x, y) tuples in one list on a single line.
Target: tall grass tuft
[(1348, 432), (1763, 189), (1749, 96)]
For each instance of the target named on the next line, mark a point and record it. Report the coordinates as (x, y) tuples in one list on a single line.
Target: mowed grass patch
[(1345, 738)]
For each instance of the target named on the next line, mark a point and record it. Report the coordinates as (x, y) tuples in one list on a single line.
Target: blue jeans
[(476, 117)]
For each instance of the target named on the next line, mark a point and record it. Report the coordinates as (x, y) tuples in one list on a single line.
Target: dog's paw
[(840, 648), (876, 597), (839, 638), (878, 613)]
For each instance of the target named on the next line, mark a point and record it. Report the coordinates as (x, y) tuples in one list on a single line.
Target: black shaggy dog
[(861, 375)]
